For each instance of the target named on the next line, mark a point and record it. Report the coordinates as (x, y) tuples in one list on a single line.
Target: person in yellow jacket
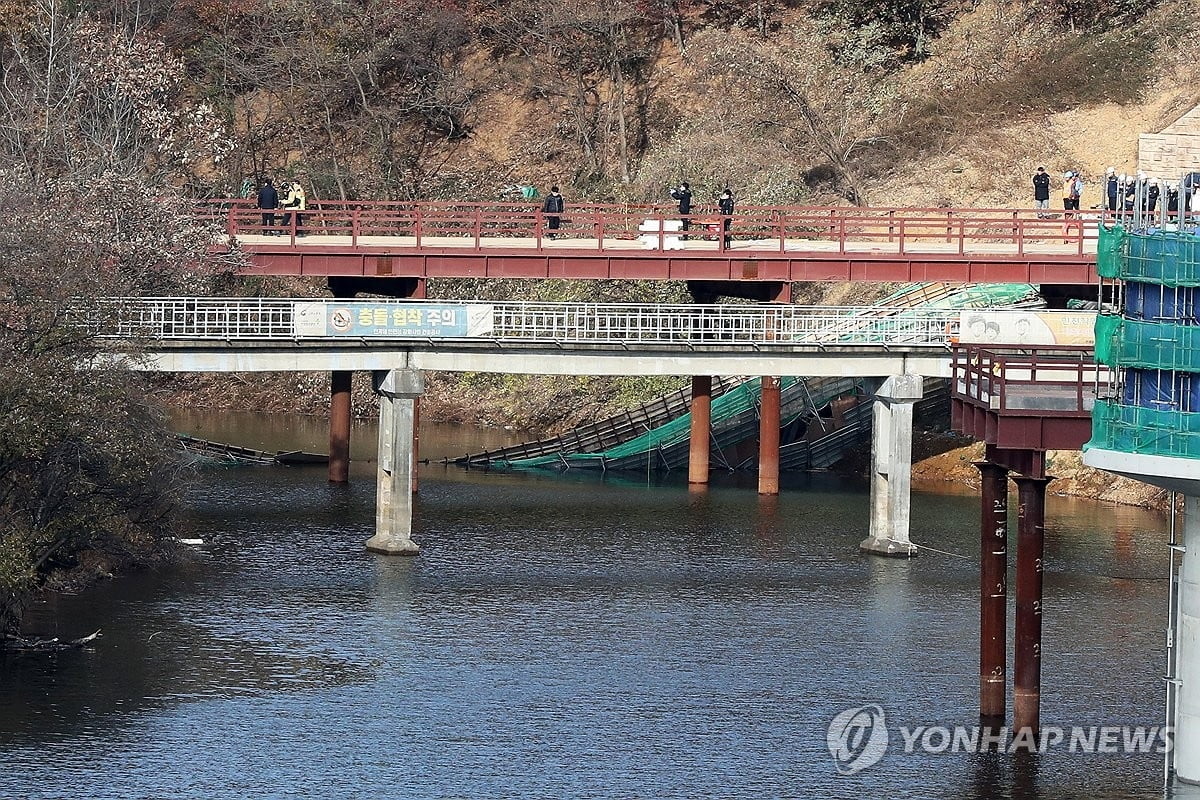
[(294, 201)]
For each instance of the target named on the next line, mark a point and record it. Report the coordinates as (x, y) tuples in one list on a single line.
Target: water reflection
[(571, 636)]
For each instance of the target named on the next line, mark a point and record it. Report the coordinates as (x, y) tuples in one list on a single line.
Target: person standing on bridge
[(552, 208), (268, 201), (296, 201), (1041, 190), (1110, 188), (684, 195), (725, 206)]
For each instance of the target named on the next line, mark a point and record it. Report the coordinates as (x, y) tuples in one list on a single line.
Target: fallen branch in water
[(21, 644)]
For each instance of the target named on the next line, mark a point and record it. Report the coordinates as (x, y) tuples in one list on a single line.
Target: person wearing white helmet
[(1072, 188), (1110, 188), (1152, 193)]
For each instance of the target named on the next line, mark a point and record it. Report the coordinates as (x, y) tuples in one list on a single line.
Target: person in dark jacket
[(725, 206), (684, 195), (1110, 187), (552, 208), (1041, 190), (268, 201)]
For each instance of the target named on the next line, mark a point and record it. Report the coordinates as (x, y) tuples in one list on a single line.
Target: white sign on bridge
[(391, 320)]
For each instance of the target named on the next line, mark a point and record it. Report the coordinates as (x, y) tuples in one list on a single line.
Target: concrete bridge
[(393, 247), (1023, 398)]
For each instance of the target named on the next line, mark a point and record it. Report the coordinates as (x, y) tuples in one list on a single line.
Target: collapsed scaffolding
[(821, 418)]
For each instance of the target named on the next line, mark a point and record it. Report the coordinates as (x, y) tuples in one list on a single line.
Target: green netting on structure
[(1110, 250), (1146, 431), (1108, 328), (737, 400), (1166, 258), (1149, 345)]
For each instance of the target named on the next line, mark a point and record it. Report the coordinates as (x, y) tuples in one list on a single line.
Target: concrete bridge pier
[(398, 393), (891, 467), (701, 411), (993, 593), (1186, 755)]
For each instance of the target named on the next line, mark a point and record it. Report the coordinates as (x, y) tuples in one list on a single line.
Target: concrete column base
[(888, 548), (392, 545)]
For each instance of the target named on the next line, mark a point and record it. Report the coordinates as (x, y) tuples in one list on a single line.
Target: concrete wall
[(1174, 150)]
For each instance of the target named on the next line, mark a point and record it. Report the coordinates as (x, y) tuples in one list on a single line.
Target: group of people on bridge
[(1123, 192), (294, 202)]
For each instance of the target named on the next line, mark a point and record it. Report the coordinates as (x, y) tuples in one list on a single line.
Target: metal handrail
[(274, 320), (986, 376), (488, 226)]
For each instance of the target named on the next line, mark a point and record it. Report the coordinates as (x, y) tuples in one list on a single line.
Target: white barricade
[(650, 235)]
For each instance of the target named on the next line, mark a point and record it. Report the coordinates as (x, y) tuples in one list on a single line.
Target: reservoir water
[(568, 637)]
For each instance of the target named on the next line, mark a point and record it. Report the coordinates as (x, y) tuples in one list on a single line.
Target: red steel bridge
[(766, 245)]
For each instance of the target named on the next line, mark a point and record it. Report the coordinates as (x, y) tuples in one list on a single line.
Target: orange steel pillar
[(1027, 658), (339, 426), (993, 593), (701, 421), (768, 438)]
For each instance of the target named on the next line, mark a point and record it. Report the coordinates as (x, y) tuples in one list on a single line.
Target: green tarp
[(1146, 431)]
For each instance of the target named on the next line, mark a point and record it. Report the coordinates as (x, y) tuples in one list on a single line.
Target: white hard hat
[(1122, 177), (1154, 181), (1141, 175), (1110, 171), (1067, 174)]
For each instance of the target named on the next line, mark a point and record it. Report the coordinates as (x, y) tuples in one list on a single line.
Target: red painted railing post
[(781, 227), (416, 212), (230, 223), (902, 234), (598, 229), (355, 226), (478, 226), (891, 225), (538, 228)]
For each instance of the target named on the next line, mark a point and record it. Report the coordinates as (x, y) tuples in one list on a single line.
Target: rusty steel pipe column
[(339, 426), (1027, 658), (768, 438), (993, 593), (701, 421)]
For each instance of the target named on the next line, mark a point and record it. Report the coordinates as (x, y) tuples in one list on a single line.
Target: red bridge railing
[(488, 226)]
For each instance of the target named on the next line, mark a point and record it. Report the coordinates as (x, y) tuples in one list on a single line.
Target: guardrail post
[(478, 227), (355, 226), (417, 225)]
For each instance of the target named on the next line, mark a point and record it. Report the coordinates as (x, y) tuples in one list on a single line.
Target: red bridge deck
[(780, 244)]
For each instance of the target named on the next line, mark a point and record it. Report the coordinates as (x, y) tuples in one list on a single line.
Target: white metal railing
[(285, 319)]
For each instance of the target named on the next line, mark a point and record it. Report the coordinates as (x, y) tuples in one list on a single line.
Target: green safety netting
[(737, 400), (1108, 328), (1146, 431), (1109, 251), (1149, 345), (1166, 258)]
